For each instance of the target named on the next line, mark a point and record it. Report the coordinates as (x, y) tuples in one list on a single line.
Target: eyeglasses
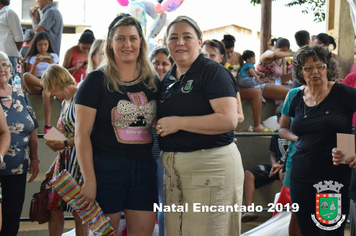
[(166, 94), (5, 65), (309, 69)]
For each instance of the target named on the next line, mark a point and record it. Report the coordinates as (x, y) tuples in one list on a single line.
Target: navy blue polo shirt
[(189, 96)]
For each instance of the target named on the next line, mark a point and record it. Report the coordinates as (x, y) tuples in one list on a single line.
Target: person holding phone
[(76, 58)]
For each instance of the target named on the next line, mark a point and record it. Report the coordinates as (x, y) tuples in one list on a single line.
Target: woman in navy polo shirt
[(197, 114)]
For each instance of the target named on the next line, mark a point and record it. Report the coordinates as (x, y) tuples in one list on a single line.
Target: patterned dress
[(271, 70), (66, 159), (21, 121)]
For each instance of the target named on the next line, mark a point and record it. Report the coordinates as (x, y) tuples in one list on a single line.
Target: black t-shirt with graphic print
[(123, 121), (205, 80), (278, 146)]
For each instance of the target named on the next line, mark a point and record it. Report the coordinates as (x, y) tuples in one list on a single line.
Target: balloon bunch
[(139, 8)]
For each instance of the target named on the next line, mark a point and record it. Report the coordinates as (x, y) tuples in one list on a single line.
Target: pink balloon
[(158, 8), (123, 3), (171, 5)]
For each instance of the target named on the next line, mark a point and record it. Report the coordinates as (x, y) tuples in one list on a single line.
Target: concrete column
[(339, 25)]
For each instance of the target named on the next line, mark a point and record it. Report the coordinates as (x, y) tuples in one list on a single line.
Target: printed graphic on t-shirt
[(132, 119), (283, 147)]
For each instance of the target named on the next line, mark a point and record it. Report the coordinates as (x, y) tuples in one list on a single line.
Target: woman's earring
[(110, 48)]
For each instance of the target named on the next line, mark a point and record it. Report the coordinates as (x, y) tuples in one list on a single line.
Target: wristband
[(66, 146), (35, 158)]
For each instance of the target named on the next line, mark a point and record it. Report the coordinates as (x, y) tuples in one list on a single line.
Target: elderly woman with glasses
[(22, 155), (319, 112)]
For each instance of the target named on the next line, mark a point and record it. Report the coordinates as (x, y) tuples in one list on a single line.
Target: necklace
[(320, 96), (315, 103), (310, 112)]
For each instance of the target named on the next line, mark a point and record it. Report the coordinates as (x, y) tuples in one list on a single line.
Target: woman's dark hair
[(214, 43), (282, 42), (326, 39), (317, 52), (247, 54), (273, 41), (32, 50), (229, 41), (5, 2), (87, 37), (159, 49)]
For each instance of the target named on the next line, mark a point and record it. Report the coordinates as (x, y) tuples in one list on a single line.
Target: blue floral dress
[(21, 121)]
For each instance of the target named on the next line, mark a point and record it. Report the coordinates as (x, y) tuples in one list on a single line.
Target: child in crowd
[(249, 83), (38, 57), (261, 175), (249, 77)]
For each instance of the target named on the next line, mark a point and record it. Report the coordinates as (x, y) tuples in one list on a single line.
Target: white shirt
[(42, 66), (10, 32)]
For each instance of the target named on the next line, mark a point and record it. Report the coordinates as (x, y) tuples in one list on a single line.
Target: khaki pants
[(211, 177)]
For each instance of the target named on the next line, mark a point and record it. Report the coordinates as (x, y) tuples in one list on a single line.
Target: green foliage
[(315, 6)]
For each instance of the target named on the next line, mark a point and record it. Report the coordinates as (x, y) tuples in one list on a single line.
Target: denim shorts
[(125, 184), (248, 82)]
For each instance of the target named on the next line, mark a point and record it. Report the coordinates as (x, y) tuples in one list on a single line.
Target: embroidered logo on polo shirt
[(188, 86)]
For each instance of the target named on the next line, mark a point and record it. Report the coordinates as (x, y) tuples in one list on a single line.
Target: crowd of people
[(144, 128)]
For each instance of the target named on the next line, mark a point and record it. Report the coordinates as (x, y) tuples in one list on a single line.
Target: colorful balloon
[(150, 9), (157, 25), (171, 5), (123, 2), (158, 8), (138, 10)]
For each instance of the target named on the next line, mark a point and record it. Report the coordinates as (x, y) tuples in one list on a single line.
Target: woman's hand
[(79, 64), (38, 59), (50, 59), (55, 145), (338, 158), (34, 169), (87, 194), (168, 125)]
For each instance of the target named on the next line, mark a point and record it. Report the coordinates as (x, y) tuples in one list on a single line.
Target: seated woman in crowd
[(272, 65), (58, 82), (197, 114), (326, 40), (38, 57), (115, 108), (96, 55), (22, 155), (215, 50), (234, 59), (76, 58)]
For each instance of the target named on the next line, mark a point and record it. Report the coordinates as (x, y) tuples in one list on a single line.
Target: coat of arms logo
[(328, 215)]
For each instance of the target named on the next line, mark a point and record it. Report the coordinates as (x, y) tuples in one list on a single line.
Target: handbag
[(38, 207)]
